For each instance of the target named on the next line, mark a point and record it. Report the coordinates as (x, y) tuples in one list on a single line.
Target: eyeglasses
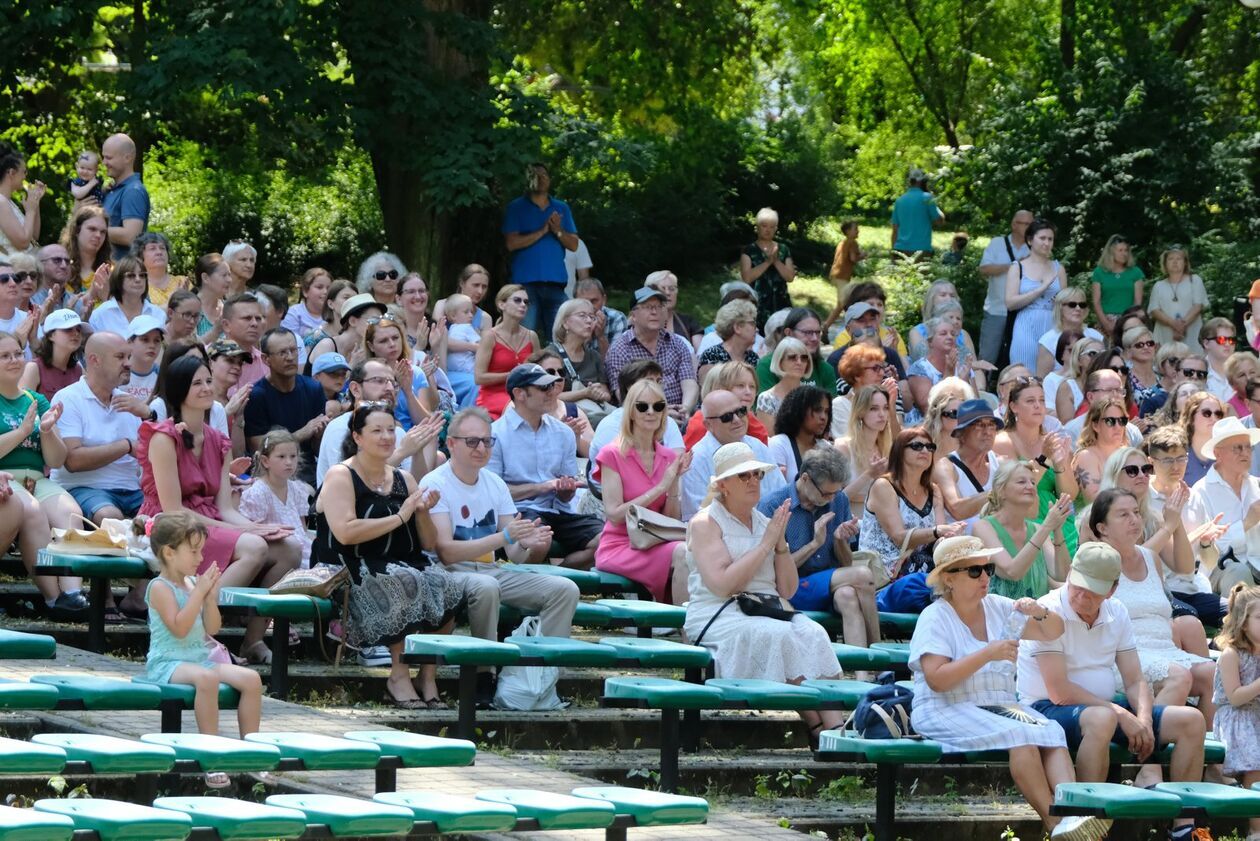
[(1122, 370), (1169, 461), (1113, 420), (1230, 448), (920, 446), (389, 381), (1220, 340), (1193, 374), (952, 414), (1211, 413), (818, 490), (472, 442), (974, 572), (6, 358), (284, 353), (727, 417), (1076, 305), (58, 260), (1145, 343), (391, 275), (1132, 470), (810, 333), (643, 407)]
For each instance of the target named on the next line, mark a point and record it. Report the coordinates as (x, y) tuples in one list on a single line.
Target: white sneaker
[(376, 655), (1081, 828)]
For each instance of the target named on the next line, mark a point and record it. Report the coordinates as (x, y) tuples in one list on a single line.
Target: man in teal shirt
[(914, 213)]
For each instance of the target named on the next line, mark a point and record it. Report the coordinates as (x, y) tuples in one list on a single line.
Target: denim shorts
[(1068, 717), (92, 500)]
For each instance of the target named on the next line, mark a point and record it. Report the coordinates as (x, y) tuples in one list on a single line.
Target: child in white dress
[(275, 496)]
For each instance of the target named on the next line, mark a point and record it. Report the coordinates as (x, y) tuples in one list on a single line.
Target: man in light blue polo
[(538, 229), (914, 213), (127, 201)]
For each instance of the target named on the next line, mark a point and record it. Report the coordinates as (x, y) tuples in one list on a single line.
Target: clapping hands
[(531, 534)]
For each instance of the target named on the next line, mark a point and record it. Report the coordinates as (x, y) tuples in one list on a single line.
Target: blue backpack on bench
[(885, 711)]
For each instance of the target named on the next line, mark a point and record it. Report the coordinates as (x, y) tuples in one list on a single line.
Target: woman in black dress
[(394, 590)]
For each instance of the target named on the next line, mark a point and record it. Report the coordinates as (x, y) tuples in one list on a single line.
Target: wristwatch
[(1041, 459)]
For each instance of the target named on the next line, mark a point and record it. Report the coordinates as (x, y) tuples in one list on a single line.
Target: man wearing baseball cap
[(536, 455), (1071, 680), (648, 338)]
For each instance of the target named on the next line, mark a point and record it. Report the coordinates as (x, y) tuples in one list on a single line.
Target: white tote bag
[(528, 687)]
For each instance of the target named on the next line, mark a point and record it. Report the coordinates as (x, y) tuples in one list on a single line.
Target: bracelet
[(1042, 617), (131, 448), (936, 533), (507, 538), (400, 519)]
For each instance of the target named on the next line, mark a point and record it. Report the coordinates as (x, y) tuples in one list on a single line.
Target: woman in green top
[(1116, 283), (1026, 566)]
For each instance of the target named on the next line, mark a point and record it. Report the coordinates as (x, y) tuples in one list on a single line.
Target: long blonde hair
[(647, 391), (1234, 627), (997, 494), (862, 401)]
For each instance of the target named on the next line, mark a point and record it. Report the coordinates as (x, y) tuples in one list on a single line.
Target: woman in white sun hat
[(732, 548)]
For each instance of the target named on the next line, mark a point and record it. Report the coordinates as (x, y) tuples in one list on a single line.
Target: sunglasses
[(1172, 362), (749, 477), (974, 572), (472, 442), (1192, 374), (555, 372), (1145, 343), (797, 357), (920, 446), (22, 277), (727, 417), (1076, 305), (952, 414), (643, 407), (1132, 470), (1220, 340), (134, 275), (1122, 370), (1112, 420), (1091, 353), (58, 260), (391, 275), (517, 299), (8, 278), (1211, 413)]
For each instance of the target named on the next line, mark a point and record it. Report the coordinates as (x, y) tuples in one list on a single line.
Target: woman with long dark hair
[(803, 422)]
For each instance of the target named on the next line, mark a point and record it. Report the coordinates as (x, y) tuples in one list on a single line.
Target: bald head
[(119, 156), (108, 362), (720, 404), (54, 262)]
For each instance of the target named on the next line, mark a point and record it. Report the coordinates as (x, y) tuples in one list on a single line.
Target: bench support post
[(615, 833), (172, 716), (885, 801), (669, 750), (98, 592), (691, 718), (279, 684), (386, 778), (467, 703)]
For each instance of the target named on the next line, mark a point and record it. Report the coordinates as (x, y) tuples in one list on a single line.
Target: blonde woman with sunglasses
[(1070, 311)]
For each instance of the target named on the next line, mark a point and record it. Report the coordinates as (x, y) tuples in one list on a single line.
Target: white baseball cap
[(145, 323)]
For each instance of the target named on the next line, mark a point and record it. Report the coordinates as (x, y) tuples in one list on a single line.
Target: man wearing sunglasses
[(725, 422), (1070, 679), (538, 229), (536, 455), (54, 264)]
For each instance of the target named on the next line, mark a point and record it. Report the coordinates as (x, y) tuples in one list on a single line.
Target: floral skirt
[(384, 608)]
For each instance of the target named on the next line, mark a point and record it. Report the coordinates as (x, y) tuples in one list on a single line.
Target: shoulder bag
[(647, 528)]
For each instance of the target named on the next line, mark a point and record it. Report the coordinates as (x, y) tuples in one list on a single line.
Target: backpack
[(885, 711)]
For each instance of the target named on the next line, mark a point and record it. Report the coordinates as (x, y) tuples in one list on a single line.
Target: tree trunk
[(1067, 36)]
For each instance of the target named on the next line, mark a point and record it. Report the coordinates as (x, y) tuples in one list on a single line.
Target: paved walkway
[(490, 770)]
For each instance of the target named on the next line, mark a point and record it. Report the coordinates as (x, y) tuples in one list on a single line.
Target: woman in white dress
[(963, 655), (1031, 287), (733, 548)]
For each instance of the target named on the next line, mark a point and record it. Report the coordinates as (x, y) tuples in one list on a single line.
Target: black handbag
[(751, 604)]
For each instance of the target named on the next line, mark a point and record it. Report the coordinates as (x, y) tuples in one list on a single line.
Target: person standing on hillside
[(913, 215), (999, 255), (538, 229), (127, 201)]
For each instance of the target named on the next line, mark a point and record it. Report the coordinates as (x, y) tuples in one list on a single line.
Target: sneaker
[(1081, 828), (69, 607), (376, 655)]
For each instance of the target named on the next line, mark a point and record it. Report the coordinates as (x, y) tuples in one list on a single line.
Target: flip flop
[(217, 779)]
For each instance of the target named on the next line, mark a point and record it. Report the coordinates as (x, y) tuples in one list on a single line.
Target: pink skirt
[(649, 567)]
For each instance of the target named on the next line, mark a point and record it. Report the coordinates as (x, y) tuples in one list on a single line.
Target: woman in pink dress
[(637, 469), (184, 465), (502, 348)]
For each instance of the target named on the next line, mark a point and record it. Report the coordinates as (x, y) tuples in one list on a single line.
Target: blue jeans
[(544, 302)]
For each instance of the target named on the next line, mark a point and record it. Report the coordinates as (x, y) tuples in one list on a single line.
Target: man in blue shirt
[(818, 532), (538, 229), (127, 202), (914, 213), (287, 399)]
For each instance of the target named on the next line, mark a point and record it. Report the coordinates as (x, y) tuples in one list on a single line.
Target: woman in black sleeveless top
[(394, 591)]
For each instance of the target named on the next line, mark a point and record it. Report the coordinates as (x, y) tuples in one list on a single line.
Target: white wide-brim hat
[(736, 458), (1229, 428)]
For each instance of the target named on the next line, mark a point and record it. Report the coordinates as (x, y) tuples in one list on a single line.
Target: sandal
[(217, 779), (436, 703), (257, 654), (405, 704)]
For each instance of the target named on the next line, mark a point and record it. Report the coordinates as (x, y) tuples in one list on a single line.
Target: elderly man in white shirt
[(1231, 491), (726, 419)]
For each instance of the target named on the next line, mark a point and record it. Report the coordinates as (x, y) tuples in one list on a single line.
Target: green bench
[(99, 570), (671, 697), (610, 613), (178, 697), (471, 653), (21, 695), (233, 820), (114, 820), (281, 610), (88, 692), (16, 645), (898, 626), (30, 825)]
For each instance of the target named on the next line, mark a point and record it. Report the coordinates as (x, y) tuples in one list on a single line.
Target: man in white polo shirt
[(1070, 680), (1230, 490)]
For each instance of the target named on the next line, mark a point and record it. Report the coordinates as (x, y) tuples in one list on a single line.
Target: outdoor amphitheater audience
[(154, 252), (537, 230), (725, 422), (941, 359), (385, 339), (355, 313)]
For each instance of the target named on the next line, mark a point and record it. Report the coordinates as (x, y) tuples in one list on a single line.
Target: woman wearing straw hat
[(962, 655), (733, 548)]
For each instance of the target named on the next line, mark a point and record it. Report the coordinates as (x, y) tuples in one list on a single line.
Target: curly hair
[(799, 403)]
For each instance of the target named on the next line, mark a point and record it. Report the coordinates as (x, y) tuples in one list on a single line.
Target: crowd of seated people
[(1096, 454)]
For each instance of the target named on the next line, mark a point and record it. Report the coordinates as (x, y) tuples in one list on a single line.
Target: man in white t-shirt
[(474, 518), (999, 254), (578, 265), (1070, 681), (144, 339)]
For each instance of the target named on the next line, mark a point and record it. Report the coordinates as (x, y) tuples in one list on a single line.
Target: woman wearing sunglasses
[(1139, 353), (964, 679), (638, 469), (1200, 412), (791, 363), (1178, 300), (378, 276), (506, 345), (1103, 433), (942, 413), (1070, 310), (803, 422)]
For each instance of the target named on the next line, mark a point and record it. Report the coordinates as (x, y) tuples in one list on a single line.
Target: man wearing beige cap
[(1070, 680)]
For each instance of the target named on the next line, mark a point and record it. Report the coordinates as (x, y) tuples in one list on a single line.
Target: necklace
[(382, 487)]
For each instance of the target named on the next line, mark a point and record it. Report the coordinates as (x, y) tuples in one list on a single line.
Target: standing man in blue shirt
[(127, 201), (914, 213), (538, 229)]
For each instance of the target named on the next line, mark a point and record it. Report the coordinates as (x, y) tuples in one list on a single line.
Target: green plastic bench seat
[(20, 695), (320, 753), (554, 811), (1217, 801), (16, 645), (451, 814), (592, 615), (587, 581), (765, 694), (186, 693), (461, 650), (564, 651), (1213, 754), (902, 623), (827, 619), (611, 581), (857, 657), (659, 692), (650, 808), (660, 653), (237, 819), (30, 825), (1116, 801), (215, 753), (904, 751), (898, 652), (19, 757), (847, 692), (416, 750), (93, 566), (348, 815), (114, 820), (265, 603), (100, 693), (645, 614), (110, 755)]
